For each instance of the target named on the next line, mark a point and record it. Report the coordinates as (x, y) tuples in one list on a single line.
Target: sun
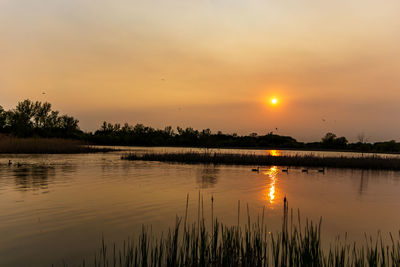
[(273, 101)]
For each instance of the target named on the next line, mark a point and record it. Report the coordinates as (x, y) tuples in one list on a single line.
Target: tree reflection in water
[(207, 177), (36, 177)]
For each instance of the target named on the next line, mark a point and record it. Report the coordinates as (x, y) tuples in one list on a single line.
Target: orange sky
[(209, 64)]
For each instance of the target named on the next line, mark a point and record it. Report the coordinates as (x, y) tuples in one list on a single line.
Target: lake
[(58, 207)]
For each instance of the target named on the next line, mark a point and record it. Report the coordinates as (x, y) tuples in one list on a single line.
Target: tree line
[(30, 118), (140, 134), (38, 119)]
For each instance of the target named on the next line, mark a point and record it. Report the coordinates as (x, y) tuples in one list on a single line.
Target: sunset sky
[(332, 65)]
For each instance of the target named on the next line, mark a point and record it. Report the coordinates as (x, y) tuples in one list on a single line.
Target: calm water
[(57, 207)]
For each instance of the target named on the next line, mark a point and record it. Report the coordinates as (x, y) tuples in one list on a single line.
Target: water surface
[(58, 207)]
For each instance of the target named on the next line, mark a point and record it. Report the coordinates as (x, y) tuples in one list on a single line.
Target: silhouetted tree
[(41, 114), (328, 138), (3, 117), (68, 124), (389, 146), (331, 141), (169, 131), (341, 142), (126, 129), (35, 118), (20, 120)]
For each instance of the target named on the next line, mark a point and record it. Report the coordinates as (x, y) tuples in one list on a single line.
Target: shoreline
[(13, 145), (373, 162), (262, 148)]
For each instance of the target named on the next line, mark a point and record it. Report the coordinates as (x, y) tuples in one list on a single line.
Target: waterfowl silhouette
[(304, 170), (19, 164), (256, 170), (285, 170), (322, 170), (9, 162)]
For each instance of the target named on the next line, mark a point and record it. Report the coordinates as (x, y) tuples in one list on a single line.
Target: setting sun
[(274, 101)]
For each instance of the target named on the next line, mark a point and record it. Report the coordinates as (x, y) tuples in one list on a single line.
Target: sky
[(333, 65)]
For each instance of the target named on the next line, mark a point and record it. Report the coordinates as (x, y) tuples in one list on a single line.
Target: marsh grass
[(13, 145), (366, 162), (248, 245)]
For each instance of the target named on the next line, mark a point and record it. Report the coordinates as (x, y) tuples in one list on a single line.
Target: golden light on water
[(274, 153), (271, 192)]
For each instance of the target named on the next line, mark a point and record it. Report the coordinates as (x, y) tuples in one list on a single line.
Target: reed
[(249, 245), (14, 145), (366, 162)]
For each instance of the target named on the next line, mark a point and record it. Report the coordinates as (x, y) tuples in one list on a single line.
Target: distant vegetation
[(36, 119), (110, 134), (251, 245), (33, 127), (143, 135), (367, 162), (33, 145)]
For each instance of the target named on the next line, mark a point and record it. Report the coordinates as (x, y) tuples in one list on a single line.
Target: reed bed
[(367, 162), (13, 145), (249, 245)]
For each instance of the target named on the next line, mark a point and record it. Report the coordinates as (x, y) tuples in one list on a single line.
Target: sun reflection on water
[(274, 153), (271, 192)]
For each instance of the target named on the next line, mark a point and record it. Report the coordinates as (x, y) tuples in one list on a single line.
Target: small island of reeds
[(366, 162)]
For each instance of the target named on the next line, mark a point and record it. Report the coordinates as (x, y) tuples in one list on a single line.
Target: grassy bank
[(13, 145), (251, 245), (367, 162)]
